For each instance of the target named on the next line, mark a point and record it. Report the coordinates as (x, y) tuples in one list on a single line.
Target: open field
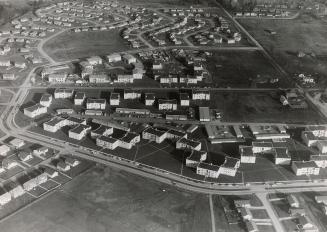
[(70, 45), (105, 199), (306, 34), (243, 69)]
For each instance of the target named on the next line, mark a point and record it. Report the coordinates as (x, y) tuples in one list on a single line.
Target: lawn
[(243, 69), (306, 33), (105, 199), (70, 45)]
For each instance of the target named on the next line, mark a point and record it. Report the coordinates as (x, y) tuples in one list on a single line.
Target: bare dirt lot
[(109, 200)]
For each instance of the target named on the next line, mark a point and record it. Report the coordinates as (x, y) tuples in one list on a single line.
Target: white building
[(57, 77), (230, 166), (208, 170), (94, 60), (193, 158), (96, 104), (79, 98), (200, 95), (17, 143), (164, 104), (115, 57), (99, 78), (184, 99), (79, 132), (247, 155), (132, 94), (46, 100), (129, 59), (281, 156), (149, 99), (184, 143), (320, 160), (35, 110), (301, 168), (63, 93), (114, 99), (8, 76), (153, 134), (4, 149)]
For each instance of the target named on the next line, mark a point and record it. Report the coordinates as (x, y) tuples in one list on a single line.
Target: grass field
[(105, 199), (306, 34), (70, 45), (242, 69)]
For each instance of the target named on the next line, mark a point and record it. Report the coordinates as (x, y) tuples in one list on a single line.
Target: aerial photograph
[(163, 115)]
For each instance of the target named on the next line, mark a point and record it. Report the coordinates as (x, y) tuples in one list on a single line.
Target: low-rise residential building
[(194, 158), (94, 60), (247, 155), (129, 58), (301, 168), (5, 197), (208, 170), (107, 142), (35, 110), (62, 166), (25, 156), (72, 161), (320, 160), (63, 93), (79, 132), (46, 100), (204, 114), (153, 134), (4, 149), (17, 143), (164, 104), (184, 99), (96, 104), (114, 99), (79, 98), (54, 124), (200, 95), (8, 76), (99, 78), (132, 94), (115, 57), (57, 77), (184, 143), (230, 166), (281, 156), (149, 99), (15, 189), (293, 201), (102, 130)]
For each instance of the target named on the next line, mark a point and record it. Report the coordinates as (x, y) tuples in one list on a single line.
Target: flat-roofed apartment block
[(94, 60), (204, 114), (114, 99), (184, 99), (193, 157), (208, 170), (320, 160), (230, 166), (132, 94), (200, 95), (35, 110), (165, 104), (46, 100), (79, 132), (79, 98), (247, 155), (153, 134), (149, 99), (62, 93), (268, 132), (54, 124), (301, 168), (72, 121), (107, 142), (115, 57), (57, 77), (184, 143), (102, 130), (96, 104), (282, 156), (99, 78), (262, 147)]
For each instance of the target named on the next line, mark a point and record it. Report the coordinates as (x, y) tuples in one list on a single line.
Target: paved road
[(272, 214)]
